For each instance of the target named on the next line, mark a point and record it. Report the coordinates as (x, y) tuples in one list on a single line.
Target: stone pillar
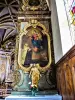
[(56, 32)]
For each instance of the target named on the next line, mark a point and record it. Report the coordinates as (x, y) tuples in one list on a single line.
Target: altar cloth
[(39, 97)]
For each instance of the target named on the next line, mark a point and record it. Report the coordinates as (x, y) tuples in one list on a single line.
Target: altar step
[(53, 92), (40, 97)]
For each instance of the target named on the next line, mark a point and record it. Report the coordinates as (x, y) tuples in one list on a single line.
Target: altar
[(39, 97)]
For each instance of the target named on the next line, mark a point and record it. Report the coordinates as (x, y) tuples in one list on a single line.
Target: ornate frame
[(26, 6), (34, 23)]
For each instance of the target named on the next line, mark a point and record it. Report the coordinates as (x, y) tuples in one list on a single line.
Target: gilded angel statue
[(35, 76)]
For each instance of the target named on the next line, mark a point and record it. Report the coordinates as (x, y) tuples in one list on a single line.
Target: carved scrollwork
[(18, 77), (38, 5)]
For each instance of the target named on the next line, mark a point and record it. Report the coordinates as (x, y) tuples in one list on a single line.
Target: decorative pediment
[(34, 5)]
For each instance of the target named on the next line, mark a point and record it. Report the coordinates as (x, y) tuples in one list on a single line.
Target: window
[(70, 12)]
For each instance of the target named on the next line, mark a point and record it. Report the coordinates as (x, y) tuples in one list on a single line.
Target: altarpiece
[(33, 55)]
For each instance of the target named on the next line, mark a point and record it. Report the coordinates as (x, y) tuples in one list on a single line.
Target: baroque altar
[(34, 57)]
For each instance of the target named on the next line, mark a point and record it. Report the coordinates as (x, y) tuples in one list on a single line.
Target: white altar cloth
[(39, 97)]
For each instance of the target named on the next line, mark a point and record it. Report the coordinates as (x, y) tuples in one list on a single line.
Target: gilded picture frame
[(26, 33)]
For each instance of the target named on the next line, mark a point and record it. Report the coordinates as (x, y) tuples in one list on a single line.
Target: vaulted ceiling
[(8, 18)]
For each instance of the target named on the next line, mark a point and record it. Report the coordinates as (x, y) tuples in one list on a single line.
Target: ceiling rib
[(10, 13)]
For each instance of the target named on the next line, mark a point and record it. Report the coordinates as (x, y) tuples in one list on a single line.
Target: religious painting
[(34, 47), (2, 68), (5, 63)]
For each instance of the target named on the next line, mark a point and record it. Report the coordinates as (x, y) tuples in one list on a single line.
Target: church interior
[(37, 49)]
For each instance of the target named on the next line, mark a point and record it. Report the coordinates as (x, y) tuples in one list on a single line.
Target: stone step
[(40, 97), (37, 93)]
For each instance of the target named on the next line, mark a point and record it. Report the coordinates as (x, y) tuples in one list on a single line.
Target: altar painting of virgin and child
[(34, 48)]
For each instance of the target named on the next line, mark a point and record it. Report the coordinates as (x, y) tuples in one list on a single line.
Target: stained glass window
[(70, 12)]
